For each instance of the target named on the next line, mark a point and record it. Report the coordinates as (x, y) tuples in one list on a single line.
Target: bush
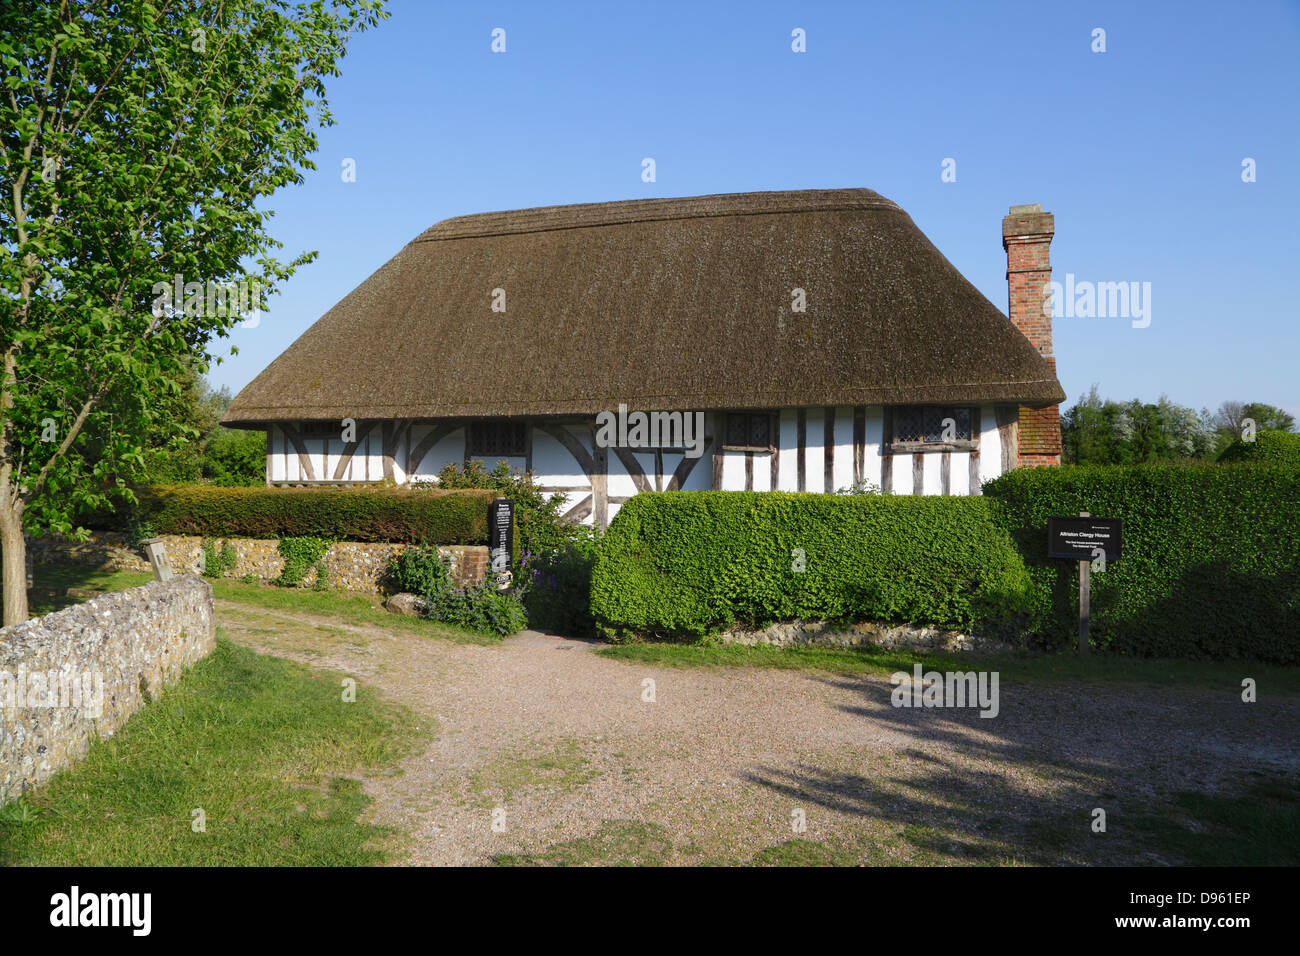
[(418, 571), (482, 608), (234, 458), (339, 514), (1269, 447), (558, 598), (685, 564), (216, 563), (300, 556), (1209, 567)]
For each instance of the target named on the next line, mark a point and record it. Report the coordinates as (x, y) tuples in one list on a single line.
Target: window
[(933, 424), (751, 431), (496, 440)]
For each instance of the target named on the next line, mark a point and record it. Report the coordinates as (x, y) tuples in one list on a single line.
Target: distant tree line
[(1097, 431)]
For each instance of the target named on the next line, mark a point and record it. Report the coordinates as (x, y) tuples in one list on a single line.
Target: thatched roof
[(660, 304)]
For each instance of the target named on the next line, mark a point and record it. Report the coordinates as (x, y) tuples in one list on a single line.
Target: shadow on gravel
[(1024, 786)]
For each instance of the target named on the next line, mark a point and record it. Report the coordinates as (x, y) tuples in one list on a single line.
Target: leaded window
[(933, 424), (496, 440)]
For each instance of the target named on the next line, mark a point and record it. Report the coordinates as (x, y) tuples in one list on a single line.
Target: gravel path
[(722, 763)]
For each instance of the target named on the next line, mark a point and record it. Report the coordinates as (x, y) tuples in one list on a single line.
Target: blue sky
[(1137, 151)]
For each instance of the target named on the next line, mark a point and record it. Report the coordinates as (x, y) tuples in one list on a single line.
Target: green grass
[(1259, 826), (57, 578), (616, 843), (1059, 668), (561, 769), (266, 748), (347, 607)]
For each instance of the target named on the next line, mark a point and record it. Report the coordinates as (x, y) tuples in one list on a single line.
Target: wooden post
[(1085, 584)]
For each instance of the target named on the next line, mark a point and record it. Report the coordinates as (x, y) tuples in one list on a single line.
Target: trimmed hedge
[(1269, 447), (335, 514), (685, 564), (1210, 565)]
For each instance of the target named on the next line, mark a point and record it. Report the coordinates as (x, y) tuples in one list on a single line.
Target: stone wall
[(351, 565), (79, 673), (884, 636)]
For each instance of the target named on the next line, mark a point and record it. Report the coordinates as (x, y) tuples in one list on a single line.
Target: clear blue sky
[(1137, 150)]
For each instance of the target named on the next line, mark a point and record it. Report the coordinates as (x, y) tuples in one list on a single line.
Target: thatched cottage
[(824, 339)]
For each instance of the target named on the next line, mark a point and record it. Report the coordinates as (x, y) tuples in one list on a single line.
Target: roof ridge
[(658, 209)]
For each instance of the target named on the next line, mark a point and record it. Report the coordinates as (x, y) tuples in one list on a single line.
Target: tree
[(1229, 421), (1105, 432), (136, 139)]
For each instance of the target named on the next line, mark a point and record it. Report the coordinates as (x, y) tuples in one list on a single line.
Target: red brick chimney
[(1026, 235)]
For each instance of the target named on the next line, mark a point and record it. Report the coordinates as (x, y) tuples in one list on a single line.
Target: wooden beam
[(859, 444), (945, 473), (886, 450), (427, 443), (749, 471), (349, 450), (270, 454), (599, 461), (571, 444), (776, 452), (579, 511), (633, 467), (304, 460), (687, 465), (718, 453), (828, 450), (918, 473), (1008, 417), (801, 417)]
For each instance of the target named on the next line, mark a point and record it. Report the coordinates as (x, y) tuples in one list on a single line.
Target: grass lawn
[(266, 748), (349, 607), (1098, 667)]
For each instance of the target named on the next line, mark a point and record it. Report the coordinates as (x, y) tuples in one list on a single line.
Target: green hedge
[(335, 514), (1269, 447), (684, 564), (1210, 565)]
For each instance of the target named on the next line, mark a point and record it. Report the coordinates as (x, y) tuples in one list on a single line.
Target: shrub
[(686, 564), (558, 597), (300, 555), (217, 563), (234, 458), (418, 571), (1209, 567), (482, 608), (339, 514), (1269, 447)]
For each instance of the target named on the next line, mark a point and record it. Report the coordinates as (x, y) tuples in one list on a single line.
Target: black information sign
[(501, 515), (1078, 537)]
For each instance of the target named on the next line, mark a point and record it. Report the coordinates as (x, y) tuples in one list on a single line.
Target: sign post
[(501, 514), (156, 551), (1085, 597), (1093, 542)]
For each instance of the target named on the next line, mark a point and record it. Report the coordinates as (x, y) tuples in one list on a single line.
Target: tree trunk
[(13, 558)]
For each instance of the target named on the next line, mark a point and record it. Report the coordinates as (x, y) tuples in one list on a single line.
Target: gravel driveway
[(546, 751)]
